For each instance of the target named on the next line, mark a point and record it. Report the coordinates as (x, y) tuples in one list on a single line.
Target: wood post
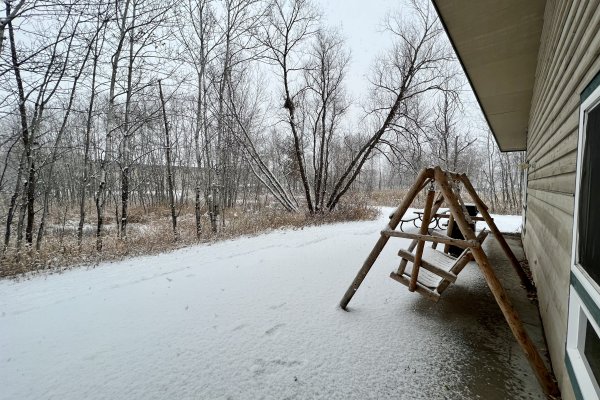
[(426, 173), (474, 196), (435, 238), (525, 281), (421, 244), (449, 232), (535, 360)]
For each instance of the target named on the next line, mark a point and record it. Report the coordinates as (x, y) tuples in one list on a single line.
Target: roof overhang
[(497, 43)]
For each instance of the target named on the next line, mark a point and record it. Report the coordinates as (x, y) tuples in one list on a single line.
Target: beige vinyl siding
[(568, 59)]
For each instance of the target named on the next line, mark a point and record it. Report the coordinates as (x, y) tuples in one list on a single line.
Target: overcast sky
[(360, 23)]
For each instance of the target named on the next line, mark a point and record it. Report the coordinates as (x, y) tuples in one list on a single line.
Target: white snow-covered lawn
[(255, 318)]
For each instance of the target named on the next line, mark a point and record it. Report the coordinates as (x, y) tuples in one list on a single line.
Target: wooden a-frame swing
[(432, 271)]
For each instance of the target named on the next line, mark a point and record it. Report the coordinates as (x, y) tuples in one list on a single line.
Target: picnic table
[(439, 221), (417, 220)]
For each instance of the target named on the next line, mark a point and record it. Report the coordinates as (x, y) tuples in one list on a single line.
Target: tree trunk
[(88, 130), (26, 164), (54, 156), (169, 172), (13, 201), (126, 150), (100, 198)]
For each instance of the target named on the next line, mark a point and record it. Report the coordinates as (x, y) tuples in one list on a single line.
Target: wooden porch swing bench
[(437, 271), (429, 271)]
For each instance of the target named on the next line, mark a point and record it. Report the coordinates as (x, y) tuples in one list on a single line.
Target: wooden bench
[(438, 269)]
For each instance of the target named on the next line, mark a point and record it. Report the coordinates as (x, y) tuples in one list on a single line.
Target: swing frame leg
[(425, 174), (536, 362), (482, 208)]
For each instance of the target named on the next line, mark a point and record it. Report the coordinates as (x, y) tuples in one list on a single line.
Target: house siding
[(568, 59)]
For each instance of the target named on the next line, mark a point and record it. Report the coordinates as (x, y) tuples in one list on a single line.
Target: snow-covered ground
[(255, 318)]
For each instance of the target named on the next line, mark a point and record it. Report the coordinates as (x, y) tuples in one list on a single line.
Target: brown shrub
[(150, 232)]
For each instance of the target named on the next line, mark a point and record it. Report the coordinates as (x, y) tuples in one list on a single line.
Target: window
[(583, 333), (589, 198), (592, 350), (583, 339)]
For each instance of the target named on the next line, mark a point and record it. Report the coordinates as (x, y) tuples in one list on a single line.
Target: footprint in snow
[(274, 329), (261, 367)]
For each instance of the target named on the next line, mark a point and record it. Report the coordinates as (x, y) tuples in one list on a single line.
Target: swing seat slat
[(438, 269)]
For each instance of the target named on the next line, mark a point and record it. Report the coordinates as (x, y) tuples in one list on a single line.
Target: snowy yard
[(256, 318)]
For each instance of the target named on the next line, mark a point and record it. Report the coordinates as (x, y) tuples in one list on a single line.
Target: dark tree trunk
[(169, 172), (13, 202)]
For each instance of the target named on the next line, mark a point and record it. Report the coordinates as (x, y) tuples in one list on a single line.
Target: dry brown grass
[(150, 232), (393, 197)]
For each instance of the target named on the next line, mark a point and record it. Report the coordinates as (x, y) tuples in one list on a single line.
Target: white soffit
[(497, 42)]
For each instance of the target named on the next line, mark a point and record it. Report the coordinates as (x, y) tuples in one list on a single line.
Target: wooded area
[(218, 105)]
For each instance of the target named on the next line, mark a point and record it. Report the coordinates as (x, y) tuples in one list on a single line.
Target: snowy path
[(254, 318)]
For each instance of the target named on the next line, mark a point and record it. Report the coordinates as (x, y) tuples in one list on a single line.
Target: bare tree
[(199, 40), (83, 124), (44, 86), (98, 45), (324, 76), (121, 20), (63, 126), (12, 10), (245, 109), (291, 23), (447, 143), (142, 33), (416, 65)]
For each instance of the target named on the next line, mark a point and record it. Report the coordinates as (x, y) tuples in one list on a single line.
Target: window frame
[(584, 293)]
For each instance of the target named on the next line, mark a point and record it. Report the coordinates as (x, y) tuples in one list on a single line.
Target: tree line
[(107, 104)]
